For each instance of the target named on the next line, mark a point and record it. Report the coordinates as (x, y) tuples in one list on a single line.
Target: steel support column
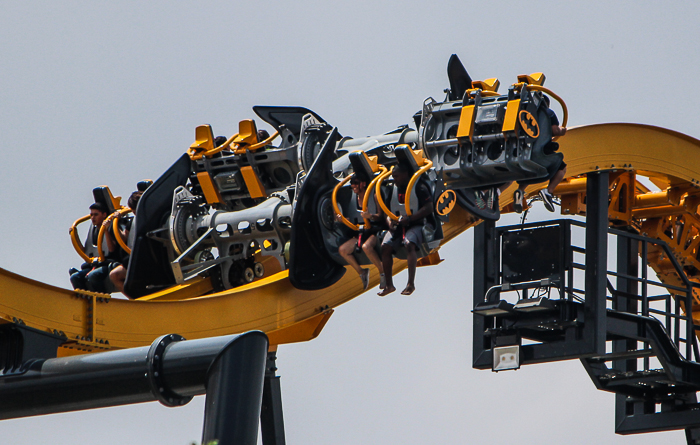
[(271, 418), (596, 260), (234, 390), (485, 273), (627, 264)]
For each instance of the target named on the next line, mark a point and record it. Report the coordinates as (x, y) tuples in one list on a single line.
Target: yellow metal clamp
[(76, 242)]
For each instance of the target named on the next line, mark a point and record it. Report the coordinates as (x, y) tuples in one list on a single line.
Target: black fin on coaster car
[(310, 266), (290, 117), (148, 263), (477, 203), (460, 80)]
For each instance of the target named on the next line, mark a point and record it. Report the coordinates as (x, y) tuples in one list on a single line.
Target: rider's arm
[(380, 213), (424, 211), (112, 245)]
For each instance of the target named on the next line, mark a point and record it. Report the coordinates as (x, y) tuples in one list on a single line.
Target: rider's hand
[(404, 220)]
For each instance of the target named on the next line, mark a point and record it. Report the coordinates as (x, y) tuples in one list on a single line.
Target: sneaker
[(479, 199), (364, 277), (382, 281), (490, 194), (518, 201), (547, 199)]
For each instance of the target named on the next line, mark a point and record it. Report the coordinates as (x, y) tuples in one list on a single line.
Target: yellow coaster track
[(94, 322)]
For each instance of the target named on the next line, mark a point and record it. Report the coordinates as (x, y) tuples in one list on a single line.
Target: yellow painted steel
[(211, 193), (253, 182), (511, 116), (465, 129), (95, 322)]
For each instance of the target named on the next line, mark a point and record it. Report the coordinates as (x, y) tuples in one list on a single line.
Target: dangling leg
[(387, 265), (546, 194), (412, 260), (346, 250), (118, 277), (369, 249)]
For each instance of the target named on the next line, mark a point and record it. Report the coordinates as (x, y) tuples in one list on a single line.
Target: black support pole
[(234, 394), (271, 418), (486, 267), (170, 371), (627, 264), (596, 260)]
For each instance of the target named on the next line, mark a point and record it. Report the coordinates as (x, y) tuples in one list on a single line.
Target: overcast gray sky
[(109, 93)]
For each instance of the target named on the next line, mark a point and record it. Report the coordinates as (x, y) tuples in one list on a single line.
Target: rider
[(118, 273), (92, 276), (408, 231), (365, 238)]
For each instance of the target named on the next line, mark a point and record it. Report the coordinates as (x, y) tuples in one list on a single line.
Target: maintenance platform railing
[(545, 292)]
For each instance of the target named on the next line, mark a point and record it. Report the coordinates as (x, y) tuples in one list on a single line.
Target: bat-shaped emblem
[(446, 202), (528, 123)]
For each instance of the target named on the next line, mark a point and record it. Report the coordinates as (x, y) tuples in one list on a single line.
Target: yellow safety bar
[(427, 166), (195, 156), (409, 188), (240, 150), (565, 119), (76, 242), (484, 93), (336, 209), (368, 192), (378, 194), (115, 227)]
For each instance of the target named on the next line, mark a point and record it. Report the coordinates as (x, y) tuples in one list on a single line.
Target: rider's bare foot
[(387, 290), (409, 289)]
